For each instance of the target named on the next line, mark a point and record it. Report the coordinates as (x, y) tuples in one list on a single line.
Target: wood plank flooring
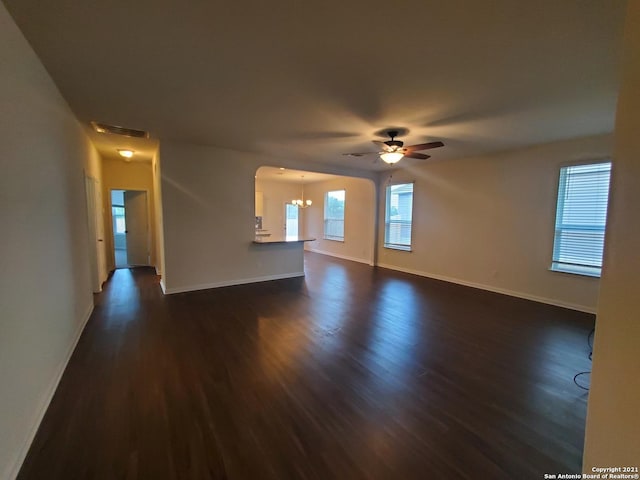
[(352, 372)]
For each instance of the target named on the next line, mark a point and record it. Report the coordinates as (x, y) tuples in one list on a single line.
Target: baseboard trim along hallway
[(489, 288), (47, 397), (230, 283)]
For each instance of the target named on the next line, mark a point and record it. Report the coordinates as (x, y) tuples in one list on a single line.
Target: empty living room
[(335, 240)]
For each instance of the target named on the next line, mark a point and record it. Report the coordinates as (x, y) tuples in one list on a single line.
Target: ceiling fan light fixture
[(394, 150), (391, 157)]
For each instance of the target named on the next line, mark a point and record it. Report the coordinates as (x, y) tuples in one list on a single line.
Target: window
[(118, 219), (581, 217), (334, 215), (397, 216)]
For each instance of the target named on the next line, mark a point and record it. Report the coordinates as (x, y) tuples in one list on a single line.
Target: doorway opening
[(130, 218), (291, 227)]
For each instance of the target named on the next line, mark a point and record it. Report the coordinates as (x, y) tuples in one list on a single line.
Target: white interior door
[(95, 223), (101, 244), (137, 233)]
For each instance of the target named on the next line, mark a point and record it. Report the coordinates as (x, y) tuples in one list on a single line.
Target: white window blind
[(334, 215), (398, 216), (581, 216)]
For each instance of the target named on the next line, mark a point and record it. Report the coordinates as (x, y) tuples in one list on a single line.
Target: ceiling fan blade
[(424, 146), (359, 154), (382, 145), (420, 156)]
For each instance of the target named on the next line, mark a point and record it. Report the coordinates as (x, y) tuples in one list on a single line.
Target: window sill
[(576, 270), (341, 240), (402, 248)]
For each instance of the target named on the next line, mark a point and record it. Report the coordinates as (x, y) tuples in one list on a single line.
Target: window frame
[(121, 214), (386, 243), (575, 268), (325, 236)]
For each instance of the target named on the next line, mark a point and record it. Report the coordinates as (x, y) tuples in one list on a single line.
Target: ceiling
[(279, 174), (108, 145), (312, 80)]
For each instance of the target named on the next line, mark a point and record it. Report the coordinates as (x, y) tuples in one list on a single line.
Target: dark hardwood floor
[(349, 373)]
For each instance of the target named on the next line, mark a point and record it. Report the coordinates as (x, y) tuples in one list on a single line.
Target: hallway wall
[(45, 287)]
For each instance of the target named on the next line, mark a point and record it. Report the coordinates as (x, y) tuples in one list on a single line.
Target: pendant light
[(301, 202)]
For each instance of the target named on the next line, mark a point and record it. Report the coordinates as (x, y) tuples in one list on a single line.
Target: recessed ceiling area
[(108, 145), (313, 81), (278, 174)]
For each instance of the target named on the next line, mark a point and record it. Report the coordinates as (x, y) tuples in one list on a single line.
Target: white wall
[(613, 422), (45, 287), (489, 222), (359, 230), (208, 205), (208, 210)]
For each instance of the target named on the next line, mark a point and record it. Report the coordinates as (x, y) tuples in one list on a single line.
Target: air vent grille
[(113, 129)]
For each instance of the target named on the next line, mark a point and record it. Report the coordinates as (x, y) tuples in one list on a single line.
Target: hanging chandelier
[(301, 202)]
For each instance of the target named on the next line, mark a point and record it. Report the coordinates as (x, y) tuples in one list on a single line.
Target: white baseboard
[(46, 400), (503, 291), (162, 285), (337, 255), (229, 283)]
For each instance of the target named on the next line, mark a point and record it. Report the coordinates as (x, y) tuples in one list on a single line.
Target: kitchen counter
[(272, 239)]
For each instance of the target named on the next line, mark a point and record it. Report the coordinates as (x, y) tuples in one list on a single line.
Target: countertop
[(272, 239)]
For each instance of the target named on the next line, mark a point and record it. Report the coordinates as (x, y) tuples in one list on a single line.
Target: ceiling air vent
[(127, 132)]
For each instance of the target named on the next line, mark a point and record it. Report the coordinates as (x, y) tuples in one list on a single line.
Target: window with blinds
[(581, 217), (398, 216), (334, 215)]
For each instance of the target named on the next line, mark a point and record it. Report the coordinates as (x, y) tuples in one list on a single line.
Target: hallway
[(351, 372)]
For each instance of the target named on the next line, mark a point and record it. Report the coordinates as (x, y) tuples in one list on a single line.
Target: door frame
[(94, 204), (286, 206), (112, 246)]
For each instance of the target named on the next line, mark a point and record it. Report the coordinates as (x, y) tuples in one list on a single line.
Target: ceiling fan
[(394, 150)]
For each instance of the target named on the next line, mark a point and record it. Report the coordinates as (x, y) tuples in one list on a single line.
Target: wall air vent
[(127, 132)]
